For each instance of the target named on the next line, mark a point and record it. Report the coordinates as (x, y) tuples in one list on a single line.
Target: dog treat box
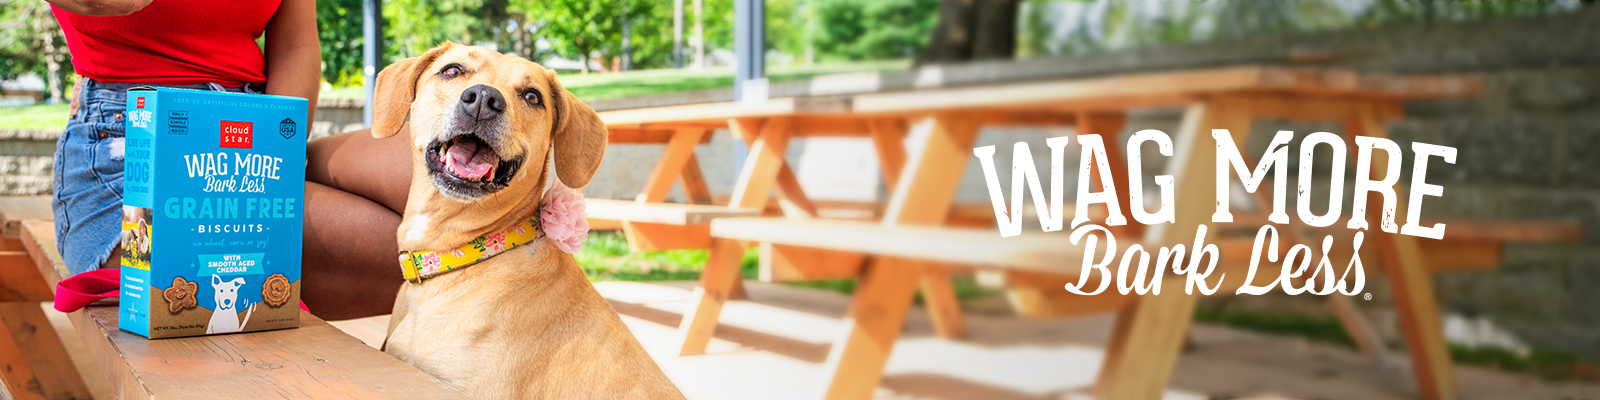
[(213, 186)]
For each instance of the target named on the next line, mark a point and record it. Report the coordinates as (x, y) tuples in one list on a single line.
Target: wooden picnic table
[(1150, 329), (315, 361)]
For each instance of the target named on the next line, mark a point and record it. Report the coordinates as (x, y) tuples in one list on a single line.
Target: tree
[(973, 30), (576, 28), (339, 31), (870, 29), (31, 43)]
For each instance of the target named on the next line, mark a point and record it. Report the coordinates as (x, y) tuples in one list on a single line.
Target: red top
[(172, 42)]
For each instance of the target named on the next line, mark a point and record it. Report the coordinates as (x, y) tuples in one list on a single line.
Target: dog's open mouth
[(466, 167)]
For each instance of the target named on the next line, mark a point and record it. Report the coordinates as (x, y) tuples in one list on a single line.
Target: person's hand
[(77, 86)]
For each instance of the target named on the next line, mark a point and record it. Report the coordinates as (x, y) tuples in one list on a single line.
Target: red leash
[(78, 291)]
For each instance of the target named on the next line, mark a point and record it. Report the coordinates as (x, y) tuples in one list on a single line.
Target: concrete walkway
[(773, 346)]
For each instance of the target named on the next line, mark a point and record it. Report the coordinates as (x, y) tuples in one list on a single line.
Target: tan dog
[(525, 323)]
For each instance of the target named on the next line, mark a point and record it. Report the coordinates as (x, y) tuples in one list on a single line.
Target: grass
[(36, 117), (605, 257)]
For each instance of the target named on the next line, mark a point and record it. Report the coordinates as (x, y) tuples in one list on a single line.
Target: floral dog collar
[(419, 265)]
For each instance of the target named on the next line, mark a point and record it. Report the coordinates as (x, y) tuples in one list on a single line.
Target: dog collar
[(419, 265)]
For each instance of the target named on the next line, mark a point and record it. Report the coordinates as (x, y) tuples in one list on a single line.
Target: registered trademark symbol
[(1366, 296)]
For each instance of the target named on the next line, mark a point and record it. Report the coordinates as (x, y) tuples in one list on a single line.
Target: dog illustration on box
[(225, 318)]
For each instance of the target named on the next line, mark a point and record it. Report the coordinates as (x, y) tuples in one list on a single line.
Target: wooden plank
[(313, 361), (1037, 295), (926, 188), (888, 138), (717, 112), (760, 171), (694, 182), (784, 263), (1174, 88), (1411, 284), (716, 283), (944, 308), (663, 213), (19, 277), (652, 135), (1460, 255), (602, 224), (54, 376), (677, 154), (645, 236), (873, 323), (17, 377), (791, 197), (39, 236), (1150, 332), (15, 209)]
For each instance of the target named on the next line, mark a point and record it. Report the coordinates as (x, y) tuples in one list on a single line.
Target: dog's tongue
[(467, 161)]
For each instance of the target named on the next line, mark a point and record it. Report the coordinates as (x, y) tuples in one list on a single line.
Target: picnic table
[(315, 361), (910, 248)]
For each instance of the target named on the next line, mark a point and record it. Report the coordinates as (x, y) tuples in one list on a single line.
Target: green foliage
[(605, 257), (871, 29), (339, 31), (30, 41), (1059, 27)]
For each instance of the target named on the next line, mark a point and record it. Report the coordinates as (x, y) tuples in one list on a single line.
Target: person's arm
[(294, 58), (101, 8)]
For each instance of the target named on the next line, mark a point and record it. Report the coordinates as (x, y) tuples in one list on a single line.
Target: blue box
[(213, 188)]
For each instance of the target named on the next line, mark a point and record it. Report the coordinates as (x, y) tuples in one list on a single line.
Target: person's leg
[(351, 269), (356, 188), (355, 162)]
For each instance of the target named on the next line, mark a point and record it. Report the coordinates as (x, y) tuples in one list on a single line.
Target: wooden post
[(878, 309), (1409, 279), (1150, 333), (877, 313), (678, 155), (720, 278)]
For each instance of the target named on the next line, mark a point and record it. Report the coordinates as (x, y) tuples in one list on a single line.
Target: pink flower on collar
[(563, 218)]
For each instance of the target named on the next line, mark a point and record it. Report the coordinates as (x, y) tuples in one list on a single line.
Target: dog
[(225, 318), (525, 323)]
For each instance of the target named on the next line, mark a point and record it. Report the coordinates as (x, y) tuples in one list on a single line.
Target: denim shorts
[(88, 174)]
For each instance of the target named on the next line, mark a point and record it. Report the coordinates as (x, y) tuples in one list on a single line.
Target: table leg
[(720, 278), (694, 182), (679, 154), (33, 362), (877, 313), (1410, 280), (878, 309), (944, 307), (939, 295), (1150, 333), (716, 285)]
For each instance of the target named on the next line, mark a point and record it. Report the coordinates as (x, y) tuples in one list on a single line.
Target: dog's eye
[(451, 71), (532, 97)]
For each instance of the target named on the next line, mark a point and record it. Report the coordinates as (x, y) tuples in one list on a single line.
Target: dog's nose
[(482, 102)]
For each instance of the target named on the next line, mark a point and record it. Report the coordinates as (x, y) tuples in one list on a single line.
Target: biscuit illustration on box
[(213, 188)]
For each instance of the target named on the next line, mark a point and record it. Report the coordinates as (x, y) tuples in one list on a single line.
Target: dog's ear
[(579, 136), (397, 88), (216, 280)]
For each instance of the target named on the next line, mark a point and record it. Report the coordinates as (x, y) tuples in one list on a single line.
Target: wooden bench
[(315, 361), (662, 226)]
